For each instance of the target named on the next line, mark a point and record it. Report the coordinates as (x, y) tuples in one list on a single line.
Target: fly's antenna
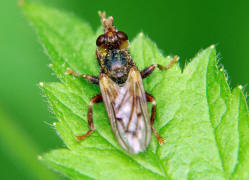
[(106, 22)]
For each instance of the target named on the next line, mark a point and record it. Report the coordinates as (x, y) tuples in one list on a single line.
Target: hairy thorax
[(115, 63)]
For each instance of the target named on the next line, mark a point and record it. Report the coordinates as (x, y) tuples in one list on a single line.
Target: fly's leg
[(151, 99), (92, 79), (95, 99), (147, 71)]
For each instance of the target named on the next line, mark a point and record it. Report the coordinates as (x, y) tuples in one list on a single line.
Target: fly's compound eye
[(123, 40), (100, 40), (121, 35)]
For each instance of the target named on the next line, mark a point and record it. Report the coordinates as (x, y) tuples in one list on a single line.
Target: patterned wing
[(127, 110)]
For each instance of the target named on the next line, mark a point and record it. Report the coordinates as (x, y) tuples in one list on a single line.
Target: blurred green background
[(178, 27)]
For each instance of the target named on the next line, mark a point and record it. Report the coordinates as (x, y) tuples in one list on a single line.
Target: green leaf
[(204, 123)]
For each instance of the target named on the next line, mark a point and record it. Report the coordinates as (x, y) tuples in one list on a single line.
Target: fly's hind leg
[(92, 79), (95, 99), (147, 71), (151, 99)]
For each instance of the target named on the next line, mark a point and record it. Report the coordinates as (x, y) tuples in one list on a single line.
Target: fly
[(122, 90)]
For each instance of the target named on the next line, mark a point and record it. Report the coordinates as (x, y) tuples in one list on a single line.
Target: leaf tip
[(41, 84), (54, 123), (240, 87), (39, 157), (212, 46), (141, 34)]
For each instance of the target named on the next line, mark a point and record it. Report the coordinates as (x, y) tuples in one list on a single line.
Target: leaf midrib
[(238, 151), (210, 120)]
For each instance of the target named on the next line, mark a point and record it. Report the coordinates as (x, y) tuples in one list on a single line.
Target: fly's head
[(111, 39), (112, 51)]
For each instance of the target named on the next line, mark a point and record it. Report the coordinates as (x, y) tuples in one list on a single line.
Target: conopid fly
[(122, 90)]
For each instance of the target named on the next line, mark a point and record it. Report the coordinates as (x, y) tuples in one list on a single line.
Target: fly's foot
[(69, 71), (78, 138), (171, 63), (160, 139)]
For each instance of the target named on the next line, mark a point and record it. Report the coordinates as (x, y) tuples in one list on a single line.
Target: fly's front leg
[(147, 71), (92, 79), (95, 99), (151, 99)]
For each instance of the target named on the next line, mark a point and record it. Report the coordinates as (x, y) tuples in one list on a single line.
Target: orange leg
[(92, 79), (151, 99), (95, 99), (147, 71)]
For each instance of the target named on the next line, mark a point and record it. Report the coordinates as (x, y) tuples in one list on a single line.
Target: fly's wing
[(127, 110)]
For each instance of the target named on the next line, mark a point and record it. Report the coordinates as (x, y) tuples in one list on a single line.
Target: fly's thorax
[(116, 64)]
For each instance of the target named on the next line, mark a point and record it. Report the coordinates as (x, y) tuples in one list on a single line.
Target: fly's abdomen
[(133, 127), (127, 110)]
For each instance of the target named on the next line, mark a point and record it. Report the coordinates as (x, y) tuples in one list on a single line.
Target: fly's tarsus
[(147, 71), (151, 99), (171, 63), (92, 79)]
